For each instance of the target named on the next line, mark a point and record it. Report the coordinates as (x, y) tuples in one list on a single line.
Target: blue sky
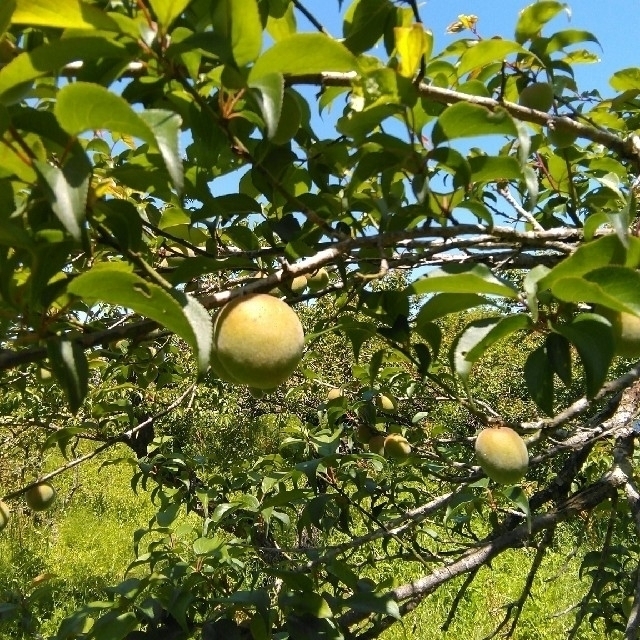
[(616, 24)]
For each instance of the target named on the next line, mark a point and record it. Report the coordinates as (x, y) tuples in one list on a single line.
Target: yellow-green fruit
[(397, 446), (627, 605), (538, 95), (626, 331), (334, 394), (376, 444), (560, 135), (386, 403), (502, 454), (318, 279), (299, 284), (4, 514), (257, 340), (40, 497)]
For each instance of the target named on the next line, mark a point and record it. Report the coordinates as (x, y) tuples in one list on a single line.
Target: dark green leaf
[(538, 376), (559, 354), (30, 65), (593, 338), (6, 11), (364, 23), (69, 365), (66, 189)]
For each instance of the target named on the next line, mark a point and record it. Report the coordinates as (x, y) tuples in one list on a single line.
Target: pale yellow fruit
[(626, 332), (386, 403), (40, 497), (258, 340), (299, 284), (334, 394), (538, 95), (4, 515), (397, 446), (318, 279), (376, 444), (502, 454)]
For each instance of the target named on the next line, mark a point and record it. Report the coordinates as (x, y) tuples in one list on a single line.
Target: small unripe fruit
[(561, 135), (258, 340), (299, 284), (397, 446), (502, 454), (318, 279), (376, 444), (386, 403), (538, 95), (334, 394), (626, 331), (4, 514), (40, 497)]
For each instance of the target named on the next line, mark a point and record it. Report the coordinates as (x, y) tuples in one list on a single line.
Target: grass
[(55, 562)]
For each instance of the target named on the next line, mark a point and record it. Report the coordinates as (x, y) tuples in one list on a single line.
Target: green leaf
[(559, 354), (246, 31), (374, 603), (167, 11), (461, 278), (443, 304), (307, 602), (178, 312), (472, 342), (6, 11), (364, 23), (589, 256), (535, 16), (465, 120), (518, 497), (114, 626), (538, 376), (69, 365), (530, 286), (304, 53), (165, 126), (593, 338), (626, 79), (494, 168), (204, 546), (49, 57), (614, 287), (483, 52), (270, 92), (68, 14), (66, 189), (84, 106), (412, 44)]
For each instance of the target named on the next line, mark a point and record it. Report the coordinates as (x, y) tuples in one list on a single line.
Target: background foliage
[(161, 158)]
